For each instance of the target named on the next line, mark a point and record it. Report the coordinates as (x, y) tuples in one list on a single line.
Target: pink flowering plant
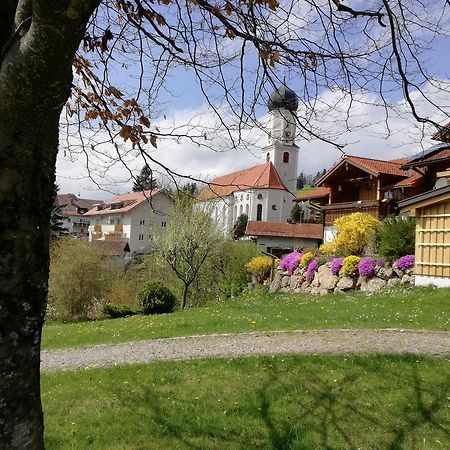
[(366, 267), (290, 262), (405, 262), (336, 265), (313, 265)]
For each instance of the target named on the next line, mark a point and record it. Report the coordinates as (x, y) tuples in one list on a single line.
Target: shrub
[(366, 267), (336, 265), (306, 258), (260, 266), (225, 275), (405, 262), (116, 311), (77, 278), (312, 267), (395, 236), (155, 298), (350, 266), (290, 262), (353, 233)]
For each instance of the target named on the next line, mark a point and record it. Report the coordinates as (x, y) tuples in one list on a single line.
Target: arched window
[(286, 157), (246, 209), (241, 210), (268, 157), (259, 212)]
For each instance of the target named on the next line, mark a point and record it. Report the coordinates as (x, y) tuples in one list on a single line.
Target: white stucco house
[(265, 191), (129, 217)]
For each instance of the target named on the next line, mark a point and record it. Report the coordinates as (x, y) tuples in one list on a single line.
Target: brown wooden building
[(373, 186)]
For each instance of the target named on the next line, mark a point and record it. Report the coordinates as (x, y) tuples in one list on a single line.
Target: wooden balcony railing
[(97, 228), (376, 208)]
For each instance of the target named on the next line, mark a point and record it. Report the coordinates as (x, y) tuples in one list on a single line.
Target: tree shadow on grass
[(329, 412)]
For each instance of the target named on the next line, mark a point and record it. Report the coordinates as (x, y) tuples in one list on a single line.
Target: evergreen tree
[(145, 180), (56, 218), (296, 213), (239, 226)]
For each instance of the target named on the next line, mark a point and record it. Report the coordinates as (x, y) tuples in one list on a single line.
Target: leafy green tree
[(191, 238), (395, 237), (145, 180)]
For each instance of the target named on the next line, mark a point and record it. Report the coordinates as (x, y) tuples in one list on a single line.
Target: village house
[(357, 184), (130, 217), (73, 210)]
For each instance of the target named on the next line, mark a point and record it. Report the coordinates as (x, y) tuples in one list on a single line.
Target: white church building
[(264, 192)]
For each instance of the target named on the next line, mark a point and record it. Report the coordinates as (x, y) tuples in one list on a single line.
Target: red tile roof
[(112, 248), (262, 176), (373, 166), (284, 229), (411, 181), (73, 203), (126, 202), (319, 192), (439, 134)]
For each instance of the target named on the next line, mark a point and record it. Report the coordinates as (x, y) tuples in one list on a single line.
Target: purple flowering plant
[(405, 262), (380, 262), (290, 262), (336, 265), (366, 267), (312, 267)]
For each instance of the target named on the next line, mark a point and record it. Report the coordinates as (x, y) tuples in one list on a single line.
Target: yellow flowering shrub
[(259, 265), (353, 234), (306, 258), (350, 266)]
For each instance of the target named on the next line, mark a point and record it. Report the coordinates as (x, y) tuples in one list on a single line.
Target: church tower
[(281, 149)]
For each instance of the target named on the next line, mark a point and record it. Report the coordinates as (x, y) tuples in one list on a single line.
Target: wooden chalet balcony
[(376, 208), (97, 229)]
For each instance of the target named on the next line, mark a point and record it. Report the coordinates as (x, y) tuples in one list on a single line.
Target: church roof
[(262, 176), (283, 97)]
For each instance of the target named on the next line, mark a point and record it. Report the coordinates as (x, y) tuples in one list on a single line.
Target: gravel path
[(435, 343)]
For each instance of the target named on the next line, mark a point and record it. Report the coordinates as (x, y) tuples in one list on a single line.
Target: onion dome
[(283, 97)]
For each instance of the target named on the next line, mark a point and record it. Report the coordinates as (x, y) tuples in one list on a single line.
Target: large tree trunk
[(35, 79)]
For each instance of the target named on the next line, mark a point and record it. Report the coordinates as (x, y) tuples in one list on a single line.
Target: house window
[(142, 222), (268, 157), (259, 212), (259, 197), (274, 207), (141, 237), (286, 157), (163, 224)]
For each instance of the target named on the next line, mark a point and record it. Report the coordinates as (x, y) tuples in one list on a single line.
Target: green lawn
[(298, 402), (400, 308)]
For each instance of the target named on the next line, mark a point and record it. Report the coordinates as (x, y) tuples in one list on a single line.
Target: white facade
[(281, 149), (271, 204), (133, 225), (428, 280)]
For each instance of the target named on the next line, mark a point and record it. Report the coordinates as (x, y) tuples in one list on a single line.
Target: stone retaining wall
[(324, 281)]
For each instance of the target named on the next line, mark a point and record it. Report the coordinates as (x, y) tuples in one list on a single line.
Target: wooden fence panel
[(433, 240)]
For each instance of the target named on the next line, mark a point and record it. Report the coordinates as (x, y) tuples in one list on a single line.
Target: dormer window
[(286, 157)]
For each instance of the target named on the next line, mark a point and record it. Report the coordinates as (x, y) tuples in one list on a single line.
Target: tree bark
[(35, 80)]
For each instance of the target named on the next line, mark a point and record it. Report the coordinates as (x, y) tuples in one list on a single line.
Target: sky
[(182, 103)]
